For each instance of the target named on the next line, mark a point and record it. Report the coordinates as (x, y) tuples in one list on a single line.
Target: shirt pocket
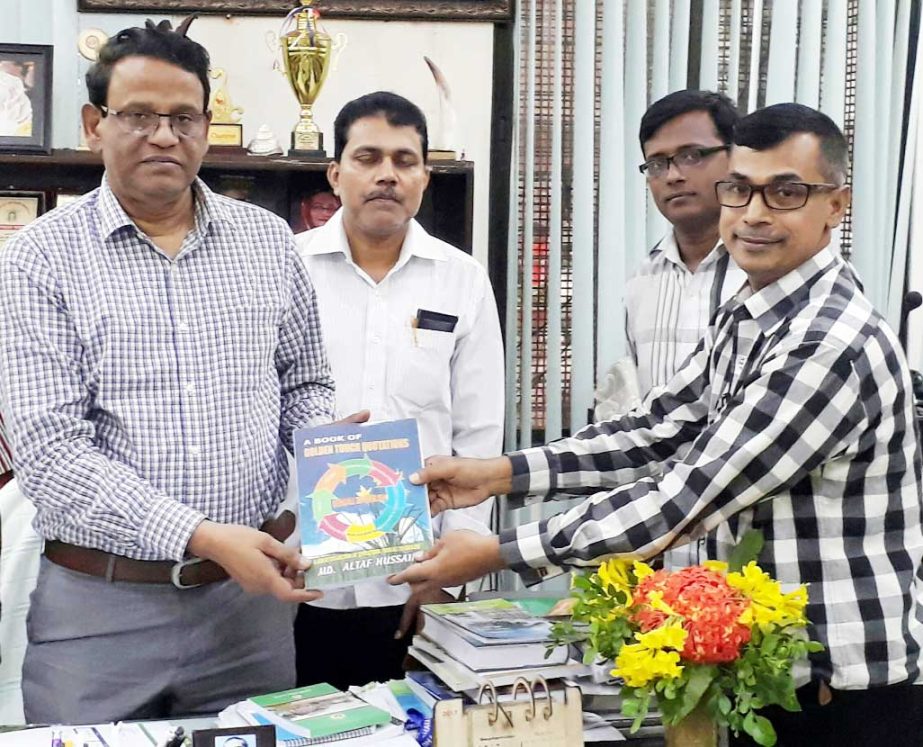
[(420, 366)]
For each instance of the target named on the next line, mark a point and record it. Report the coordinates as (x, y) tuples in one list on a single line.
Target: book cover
[(319, 711), (360, 516), (491, 621)]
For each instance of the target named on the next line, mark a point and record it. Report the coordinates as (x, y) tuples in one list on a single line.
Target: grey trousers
[(101, 651)]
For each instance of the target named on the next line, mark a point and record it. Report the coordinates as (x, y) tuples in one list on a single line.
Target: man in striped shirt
[(794, 416), (158, 345)]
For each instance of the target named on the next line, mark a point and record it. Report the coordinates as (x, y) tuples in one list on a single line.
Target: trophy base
[(301, 153), (307, 145)]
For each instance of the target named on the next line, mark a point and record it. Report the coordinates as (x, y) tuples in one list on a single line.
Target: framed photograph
[(18, 209), (312, 208), (25, 98), (436, 10), (235, 736)]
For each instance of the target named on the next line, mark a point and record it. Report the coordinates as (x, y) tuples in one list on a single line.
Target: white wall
[(378, 55)]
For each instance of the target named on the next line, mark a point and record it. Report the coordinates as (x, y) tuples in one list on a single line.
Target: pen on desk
[(99, 736)]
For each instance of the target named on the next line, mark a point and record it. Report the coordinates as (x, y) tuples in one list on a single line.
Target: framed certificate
[(18, 209)]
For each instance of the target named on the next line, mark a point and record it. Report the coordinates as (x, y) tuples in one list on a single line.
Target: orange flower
[(710, 611)]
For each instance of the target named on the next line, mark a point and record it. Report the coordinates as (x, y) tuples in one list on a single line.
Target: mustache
[(388, 193)]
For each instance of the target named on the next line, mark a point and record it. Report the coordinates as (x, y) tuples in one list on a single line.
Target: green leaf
[(746, 550), (760, 728), (696, 685)]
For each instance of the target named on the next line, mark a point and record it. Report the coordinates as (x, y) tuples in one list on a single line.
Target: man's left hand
[(457, 558), (411, 619)]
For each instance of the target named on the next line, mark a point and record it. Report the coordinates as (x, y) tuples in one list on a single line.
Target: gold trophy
[(306, 51)]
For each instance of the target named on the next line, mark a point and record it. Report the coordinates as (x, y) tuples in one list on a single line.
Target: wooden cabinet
[(274, 182)]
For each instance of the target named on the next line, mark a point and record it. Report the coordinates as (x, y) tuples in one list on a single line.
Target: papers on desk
[(139, 734)]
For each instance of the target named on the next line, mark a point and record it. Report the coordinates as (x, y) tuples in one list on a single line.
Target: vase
[(698, 729)]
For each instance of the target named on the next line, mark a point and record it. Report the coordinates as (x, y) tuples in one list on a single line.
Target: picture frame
[(433, 10), (25, 97), (236, 736), (18, 209), (312, 207)]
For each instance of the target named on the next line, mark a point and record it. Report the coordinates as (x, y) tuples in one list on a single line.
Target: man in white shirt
[(684, 140), (411, 329), (688, 274)]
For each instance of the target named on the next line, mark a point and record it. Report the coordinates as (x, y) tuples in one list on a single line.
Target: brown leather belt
[(186, 574)]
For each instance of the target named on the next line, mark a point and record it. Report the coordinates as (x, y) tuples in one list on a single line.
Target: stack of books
[(467, 645)]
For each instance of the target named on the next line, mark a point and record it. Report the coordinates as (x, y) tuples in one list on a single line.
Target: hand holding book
[(457, 482), (457, 558), (256, 561)]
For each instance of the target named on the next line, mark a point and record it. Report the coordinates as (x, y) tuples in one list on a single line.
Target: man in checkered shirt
[(798, 416), (158, 345)]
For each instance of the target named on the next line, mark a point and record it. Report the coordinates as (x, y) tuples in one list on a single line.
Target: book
[(491, 634), (429, 688), (360, 516), (489, 622), (318, 711), (460, 677), (408, 700)]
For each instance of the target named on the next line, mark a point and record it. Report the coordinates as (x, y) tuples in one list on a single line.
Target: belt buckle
[(176, 573)]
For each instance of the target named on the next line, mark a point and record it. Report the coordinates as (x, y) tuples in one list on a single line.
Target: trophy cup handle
[(337, 47)]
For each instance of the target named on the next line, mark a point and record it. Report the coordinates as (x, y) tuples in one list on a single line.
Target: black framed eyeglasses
[(686, 158), (776, 196), (139, 122)]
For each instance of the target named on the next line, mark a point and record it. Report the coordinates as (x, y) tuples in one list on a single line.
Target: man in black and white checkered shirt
[(798, 415)]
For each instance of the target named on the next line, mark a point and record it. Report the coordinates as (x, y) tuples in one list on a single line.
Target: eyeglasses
[(777, 196), (685, 158), (146, 123)]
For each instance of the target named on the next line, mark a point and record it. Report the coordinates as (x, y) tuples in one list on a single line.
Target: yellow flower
[(718, 566), (770, 606), (614, 575), (655, 601), (638, 665), (642, 570), (672, 635)]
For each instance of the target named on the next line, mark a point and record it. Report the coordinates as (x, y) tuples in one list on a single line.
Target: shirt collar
[(208, 209), (331, 239), (669, 251), (775, 303)]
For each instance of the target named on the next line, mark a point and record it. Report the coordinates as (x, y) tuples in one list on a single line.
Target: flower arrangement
[(702, 638)]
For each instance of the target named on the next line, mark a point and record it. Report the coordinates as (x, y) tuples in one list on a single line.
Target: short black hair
[(722, 111), (159, 41), (397, 111), (766, 128)]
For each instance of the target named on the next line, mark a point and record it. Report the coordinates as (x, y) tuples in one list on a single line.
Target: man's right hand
[(455, 482), (256, 561)]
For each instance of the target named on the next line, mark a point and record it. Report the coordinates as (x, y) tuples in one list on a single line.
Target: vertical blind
[(580, 217)]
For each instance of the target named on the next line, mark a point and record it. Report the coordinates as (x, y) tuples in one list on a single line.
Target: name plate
[(226, 135)]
